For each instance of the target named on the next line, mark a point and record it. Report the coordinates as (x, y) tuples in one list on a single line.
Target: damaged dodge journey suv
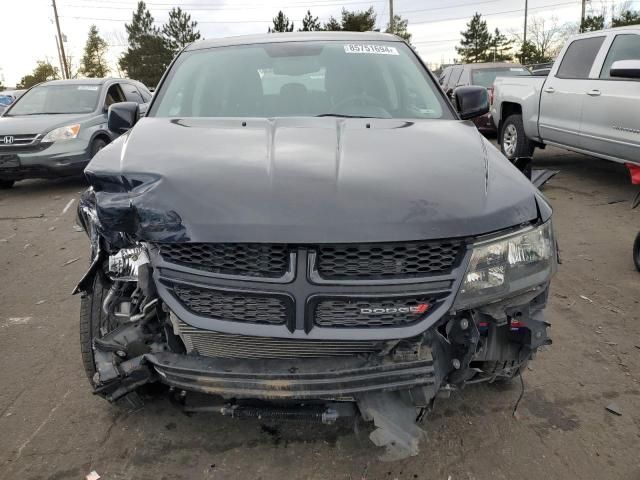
[(303, 226)]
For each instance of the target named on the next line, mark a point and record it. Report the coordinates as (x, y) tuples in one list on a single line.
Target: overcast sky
[(27, 33)]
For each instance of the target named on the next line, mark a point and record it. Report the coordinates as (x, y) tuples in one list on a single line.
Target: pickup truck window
[(486, 76), (378, 79), (579, 57), (624, 47)]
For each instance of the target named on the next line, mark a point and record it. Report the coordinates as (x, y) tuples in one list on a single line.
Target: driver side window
[(114, 95)]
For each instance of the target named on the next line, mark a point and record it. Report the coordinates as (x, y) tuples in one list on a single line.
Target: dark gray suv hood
[(36, 124), (307, 180)]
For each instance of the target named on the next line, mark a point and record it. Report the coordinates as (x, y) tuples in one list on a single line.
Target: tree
[(529, 53), (310, 23), (93, 63), (592, 23), (400, 28), (363, 21), (43, 72), (148, 54), (547, 36), (500, 47), (626, 17), (476, 41), (281, 23), (332, 25), (180, 31)]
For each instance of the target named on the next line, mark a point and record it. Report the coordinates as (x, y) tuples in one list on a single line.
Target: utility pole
[(59, 56), (65, 68), (391, 16), (584, 8), (524, 37)]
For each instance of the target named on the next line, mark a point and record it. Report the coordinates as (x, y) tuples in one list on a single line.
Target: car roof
[(481, 66), (294, 37), (84, 81)]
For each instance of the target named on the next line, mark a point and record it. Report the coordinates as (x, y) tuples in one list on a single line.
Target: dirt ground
[(52, 427)]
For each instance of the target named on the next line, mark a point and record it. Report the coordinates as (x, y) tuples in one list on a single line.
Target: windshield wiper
[(341, 115)]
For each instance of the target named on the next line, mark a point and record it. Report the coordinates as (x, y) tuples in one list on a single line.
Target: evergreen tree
[(475, 45), (592, 23), (364, 21), (529, 53), (400, 28), (332, 25), (148, 54), (179, 31), (94, 63), (281, 23), (500, 47), (627, 17), (310, 23)]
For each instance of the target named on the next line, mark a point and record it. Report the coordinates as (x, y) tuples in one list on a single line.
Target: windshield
[(369, 79), (486, 76), (50, 99)]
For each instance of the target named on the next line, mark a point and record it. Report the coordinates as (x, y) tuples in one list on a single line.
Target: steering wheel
[(362, 99)]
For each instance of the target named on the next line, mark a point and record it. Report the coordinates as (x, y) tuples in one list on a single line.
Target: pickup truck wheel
[(6, 184), (513, 141), (636, 252)]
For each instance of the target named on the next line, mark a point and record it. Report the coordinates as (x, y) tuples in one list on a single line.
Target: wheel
[(97, 145), (504, 372), (513, 141), (93, 323), (636, 252), (6, 184)]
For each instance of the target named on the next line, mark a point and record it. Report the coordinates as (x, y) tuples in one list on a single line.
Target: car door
[(562, 94), (611, 112)]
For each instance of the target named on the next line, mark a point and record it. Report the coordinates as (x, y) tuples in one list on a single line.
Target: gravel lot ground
[(53, 428)]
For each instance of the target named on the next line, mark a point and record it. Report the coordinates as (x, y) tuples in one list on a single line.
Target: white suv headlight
[(62, 133), (508, 265)]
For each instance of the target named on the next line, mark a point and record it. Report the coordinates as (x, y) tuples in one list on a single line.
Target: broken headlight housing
[(508, 265)]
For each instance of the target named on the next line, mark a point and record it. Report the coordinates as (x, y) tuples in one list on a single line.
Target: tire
[(513, 141), (92, 318), (97, 145), (6, 184), (636, 252)]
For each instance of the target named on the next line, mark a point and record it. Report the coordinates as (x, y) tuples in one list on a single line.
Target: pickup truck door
[(563, 93), (611, 108)]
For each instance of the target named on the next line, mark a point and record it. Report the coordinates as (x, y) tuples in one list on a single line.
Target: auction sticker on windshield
[(375, 49)]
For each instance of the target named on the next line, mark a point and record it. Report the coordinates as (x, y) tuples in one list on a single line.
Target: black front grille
[(240, 259), (371, 312), (235, 306), (215, 344), (386, 261)]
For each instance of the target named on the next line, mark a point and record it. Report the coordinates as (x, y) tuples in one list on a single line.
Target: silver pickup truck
[(589, 102)]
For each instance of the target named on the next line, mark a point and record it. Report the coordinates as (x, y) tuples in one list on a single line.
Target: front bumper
[(41, 161), (484, 123), (328, 379)]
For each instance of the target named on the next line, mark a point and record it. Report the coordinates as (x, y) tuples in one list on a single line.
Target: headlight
[(508, 265), (62, 133)]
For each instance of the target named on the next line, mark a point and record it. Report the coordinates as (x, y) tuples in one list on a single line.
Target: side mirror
[(471, 101), (123, 116), (625, 69)]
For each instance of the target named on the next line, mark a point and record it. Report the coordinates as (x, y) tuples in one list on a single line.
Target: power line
[(504, 12)]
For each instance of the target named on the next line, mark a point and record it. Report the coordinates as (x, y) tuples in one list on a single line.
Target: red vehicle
[(483, 75)]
